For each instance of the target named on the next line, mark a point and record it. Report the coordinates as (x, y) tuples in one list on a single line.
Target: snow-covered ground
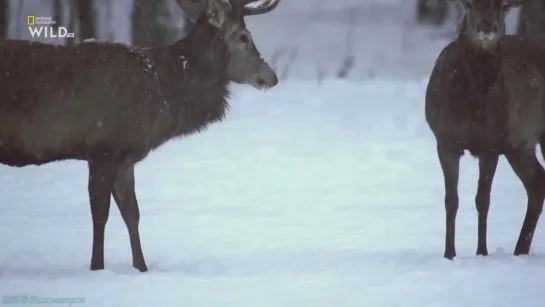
[(306, 195)]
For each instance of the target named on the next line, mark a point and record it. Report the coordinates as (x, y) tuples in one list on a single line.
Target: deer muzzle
[(265, 78)]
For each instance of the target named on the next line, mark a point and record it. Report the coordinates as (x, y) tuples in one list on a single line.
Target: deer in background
[(486, 94)]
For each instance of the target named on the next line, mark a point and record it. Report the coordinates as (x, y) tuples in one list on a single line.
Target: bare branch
[(276, 56), (57, 13), (289, 64)]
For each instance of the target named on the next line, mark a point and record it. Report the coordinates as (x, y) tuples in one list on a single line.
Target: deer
[(111, 104), (486, 95)]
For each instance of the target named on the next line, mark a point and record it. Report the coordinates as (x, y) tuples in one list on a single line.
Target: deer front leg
[(487, 170), (450, 164)]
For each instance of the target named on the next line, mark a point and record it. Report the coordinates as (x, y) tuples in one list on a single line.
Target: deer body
[(486, 102), (68, 111)]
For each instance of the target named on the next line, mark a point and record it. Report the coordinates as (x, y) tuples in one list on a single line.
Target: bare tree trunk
[(72, 21), (57, 13), (87, 20), (19, 16), (4, 18), (109, 16), (532, 18), (146, 30)]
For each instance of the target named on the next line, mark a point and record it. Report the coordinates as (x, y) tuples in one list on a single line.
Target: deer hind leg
[(101, 178), (525, 164), (125, 197)]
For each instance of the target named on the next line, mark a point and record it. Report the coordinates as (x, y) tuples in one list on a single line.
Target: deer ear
[(216, 12)]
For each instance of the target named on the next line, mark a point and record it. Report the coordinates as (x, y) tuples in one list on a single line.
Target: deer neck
[(202, 51), (193, 79), (482, 67), (194, 65)]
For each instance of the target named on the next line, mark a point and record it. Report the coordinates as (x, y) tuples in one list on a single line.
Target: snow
[(306, 195), (314, 193)]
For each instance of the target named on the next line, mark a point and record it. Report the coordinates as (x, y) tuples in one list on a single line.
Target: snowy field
[(304, 196), (311, 194)]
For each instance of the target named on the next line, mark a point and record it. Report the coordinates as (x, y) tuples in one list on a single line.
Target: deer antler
[(265, 7)]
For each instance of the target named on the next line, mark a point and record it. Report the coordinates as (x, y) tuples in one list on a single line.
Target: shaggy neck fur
[(192, 78), (482, 64)]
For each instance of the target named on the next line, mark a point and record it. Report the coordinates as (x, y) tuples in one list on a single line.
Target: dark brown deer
[(111, 105), (486, 94)]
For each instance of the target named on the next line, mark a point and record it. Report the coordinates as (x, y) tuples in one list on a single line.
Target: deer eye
[(244, 38), (469, 4)]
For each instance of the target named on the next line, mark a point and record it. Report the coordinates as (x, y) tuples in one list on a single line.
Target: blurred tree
[(81, 16), (86, 17), (57, 13), (170, 16), (188, 24), (150, 26), (72, 21), (434, 12), (4, 18), (19, 16), (110, 36), (532, 18)]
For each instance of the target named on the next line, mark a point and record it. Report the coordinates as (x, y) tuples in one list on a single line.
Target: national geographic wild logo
[(46, 27)]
